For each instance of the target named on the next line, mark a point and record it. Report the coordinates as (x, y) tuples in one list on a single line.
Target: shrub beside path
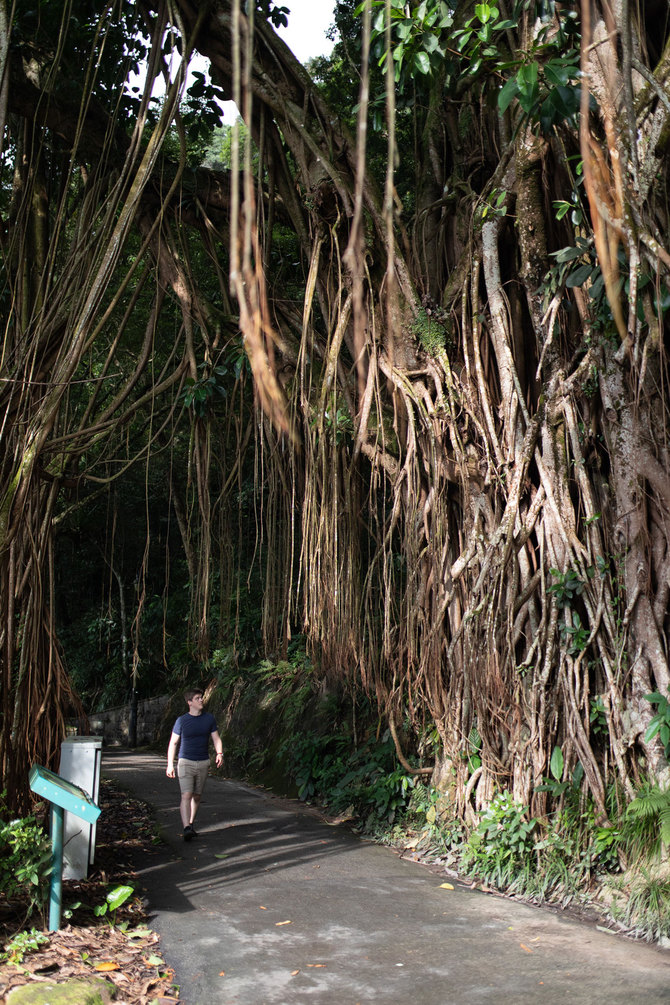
[(272, 906)]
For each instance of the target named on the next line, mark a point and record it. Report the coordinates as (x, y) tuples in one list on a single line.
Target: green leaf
[(527, 76), (655, 698), (422, 62), (559, 73), (597, 286), (119, 895), (556, 763), (579, 276), (484, 12), (461, 38), (653, 728), (507, 94)]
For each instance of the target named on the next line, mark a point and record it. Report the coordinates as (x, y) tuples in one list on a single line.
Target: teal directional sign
[(63, 795)]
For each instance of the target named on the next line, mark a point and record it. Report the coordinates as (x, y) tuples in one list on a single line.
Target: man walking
[(191, 733)]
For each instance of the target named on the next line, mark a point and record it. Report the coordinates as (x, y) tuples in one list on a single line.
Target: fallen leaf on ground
[(446, 886), (222, 973), (294, 973), (107, 965), (278, 923), (263, 908), (221, 856), (525, 948), (316, 964), (73, 950)]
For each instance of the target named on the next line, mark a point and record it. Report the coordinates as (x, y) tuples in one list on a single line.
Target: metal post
[(56, 895)]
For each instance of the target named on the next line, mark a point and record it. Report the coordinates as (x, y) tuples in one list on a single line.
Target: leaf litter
[(87, 946)]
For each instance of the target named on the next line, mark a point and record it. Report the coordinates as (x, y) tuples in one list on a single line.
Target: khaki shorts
[(192, 775)]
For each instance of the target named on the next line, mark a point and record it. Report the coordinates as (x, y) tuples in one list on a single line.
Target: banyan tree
[(460, 425)]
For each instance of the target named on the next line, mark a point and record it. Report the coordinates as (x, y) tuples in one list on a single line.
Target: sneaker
[(188, 833)]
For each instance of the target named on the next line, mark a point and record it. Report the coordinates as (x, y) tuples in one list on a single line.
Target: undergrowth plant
[(645, 825), (114, 898), (643, 905), (28, 941), (500, 848), (364, 781), (25, 861)]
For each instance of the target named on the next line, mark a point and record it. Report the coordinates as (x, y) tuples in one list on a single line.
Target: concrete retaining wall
[(112, 724)]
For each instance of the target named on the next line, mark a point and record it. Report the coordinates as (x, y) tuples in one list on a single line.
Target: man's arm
[(218, 746), (172, 750)]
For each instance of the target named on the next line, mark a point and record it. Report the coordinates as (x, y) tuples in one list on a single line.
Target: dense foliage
[(281, 728)]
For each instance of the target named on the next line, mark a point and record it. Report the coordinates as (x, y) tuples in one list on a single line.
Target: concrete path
[(271, 906)]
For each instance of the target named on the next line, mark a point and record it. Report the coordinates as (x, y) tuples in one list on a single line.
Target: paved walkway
[(271, 906)]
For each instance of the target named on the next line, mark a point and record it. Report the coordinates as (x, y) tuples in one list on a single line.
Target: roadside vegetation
[(284, 728)]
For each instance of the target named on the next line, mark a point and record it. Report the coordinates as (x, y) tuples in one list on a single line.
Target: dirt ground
[(125, 952)]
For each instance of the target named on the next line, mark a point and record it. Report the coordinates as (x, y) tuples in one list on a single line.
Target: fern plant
[(646, 824)]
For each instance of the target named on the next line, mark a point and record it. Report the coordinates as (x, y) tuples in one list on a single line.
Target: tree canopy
[(403, 355)]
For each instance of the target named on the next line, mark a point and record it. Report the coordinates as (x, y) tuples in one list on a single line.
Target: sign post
[(62, 795)]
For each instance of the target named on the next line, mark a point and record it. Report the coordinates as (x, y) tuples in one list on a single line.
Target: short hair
[(191, 693)]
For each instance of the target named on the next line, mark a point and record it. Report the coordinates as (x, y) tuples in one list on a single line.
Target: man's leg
[(199, 778), (185, 808), (195, 805), (189, 783)]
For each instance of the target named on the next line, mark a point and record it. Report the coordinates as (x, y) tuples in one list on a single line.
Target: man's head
[(193, 692)]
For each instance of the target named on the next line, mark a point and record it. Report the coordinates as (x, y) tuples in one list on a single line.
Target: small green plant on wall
[(660, 724)]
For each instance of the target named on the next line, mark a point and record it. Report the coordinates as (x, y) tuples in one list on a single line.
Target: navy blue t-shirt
[(195, 731)]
